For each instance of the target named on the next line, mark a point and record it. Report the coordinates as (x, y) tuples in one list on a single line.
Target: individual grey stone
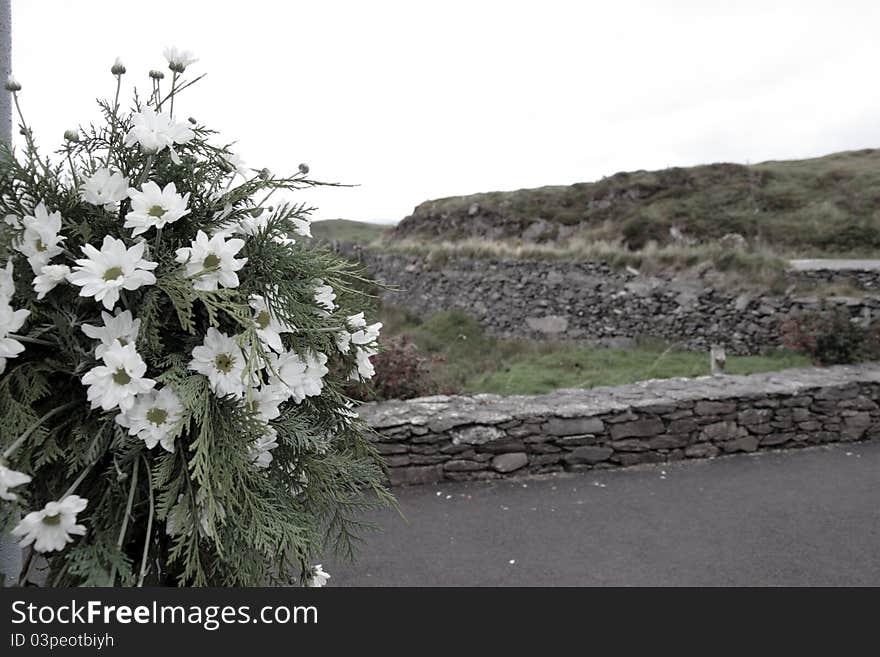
[(463, 465), (722, 431), (741, 444), (714, 408), (476, 435), (573, 426), (588, 454), (639, 428), (510, 462), (701, 451), (548, 325), (503, 446), (629, 445)]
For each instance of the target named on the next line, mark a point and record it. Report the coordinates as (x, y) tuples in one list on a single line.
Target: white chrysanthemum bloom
[(105, 188), (343, 341), (324, 297), (221, 360), (260, 450), (154, 416), (10, 322), (267, 399), (178, 60), (365, 369), (102, 274), (49, 278), (51, 528), (7, 282), (318, 577), (41, 239), (237, 164), (155, 131), (366, 335), (117, 382), (10, 478), (301, 377), (212, 261), (269, 327), (254, 224), (303, 226), (119, 329), (152, 207)]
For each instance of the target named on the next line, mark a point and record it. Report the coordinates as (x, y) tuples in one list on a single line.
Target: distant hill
[(344, 230), (825, 204)]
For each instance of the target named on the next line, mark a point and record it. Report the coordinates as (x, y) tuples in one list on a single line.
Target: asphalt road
[(805, 517)]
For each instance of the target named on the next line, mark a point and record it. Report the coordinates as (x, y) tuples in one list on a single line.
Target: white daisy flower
[(318, 577), (178, 60), (155, 131), (153, 207), (10, 478), (260, 450), (343, 341), (237, 164), (49, 278), (324, 296), (119, 329), (118, 380), (51, 528), (104, 273), (7, 283), (267, 399), (303, 226), (10, 322), (252, 224), (366, 335), (220, 359), (41, 239), (212, 261), (269, 327), (105, 188), (154, 416), (301, 377), (365, 369)]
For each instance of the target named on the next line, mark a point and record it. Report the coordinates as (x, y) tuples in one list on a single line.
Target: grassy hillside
[(344, 230), (826, 205)]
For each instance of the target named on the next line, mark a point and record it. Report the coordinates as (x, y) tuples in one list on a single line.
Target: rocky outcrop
[(452, 438), (589, 301)]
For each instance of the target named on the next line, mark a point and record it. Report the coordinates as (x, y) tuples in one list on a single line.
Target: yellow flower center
[(157, 211), (121, 377), (40, 245), (263, 319), (113, 273), (211, 261), (224, 363), (157, 416), (52, 520)]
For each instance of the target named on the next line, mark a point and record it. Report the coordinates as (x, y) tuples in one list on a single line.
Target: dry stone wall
[(453, 438), (589, 301)]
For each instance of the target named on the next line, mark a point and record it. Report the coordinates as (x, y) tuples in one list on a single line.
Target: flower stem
[(14, 446), (173, 89), (114, 120), (24, 338), (75, 484), (134, 478), (149, 526)]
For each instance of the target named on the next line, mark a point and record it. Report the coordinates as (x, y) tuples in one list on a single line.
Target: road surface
[(804, 517)]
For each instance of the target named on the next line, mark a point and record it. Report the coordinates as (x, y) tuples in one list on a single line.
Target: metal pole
[(10, 553)]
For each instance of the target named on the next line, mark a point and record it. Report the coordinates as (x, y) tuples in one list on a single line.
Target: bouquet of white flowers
[(173, 359)]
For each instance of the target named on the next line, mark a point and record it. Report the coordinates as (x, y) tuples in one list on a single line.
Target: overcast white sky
[(418, 100)]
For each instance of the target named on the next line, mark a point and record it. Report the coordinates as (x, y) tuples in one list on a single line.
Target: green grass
[(471, 361), (344, 230)]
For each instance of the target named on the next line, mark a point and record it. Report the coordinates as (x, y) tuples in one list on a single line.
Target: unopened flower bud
[(71, 135), (192, 120), (265, 174), (12, 84), (118, 67), (304, 169), (157, 75)]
